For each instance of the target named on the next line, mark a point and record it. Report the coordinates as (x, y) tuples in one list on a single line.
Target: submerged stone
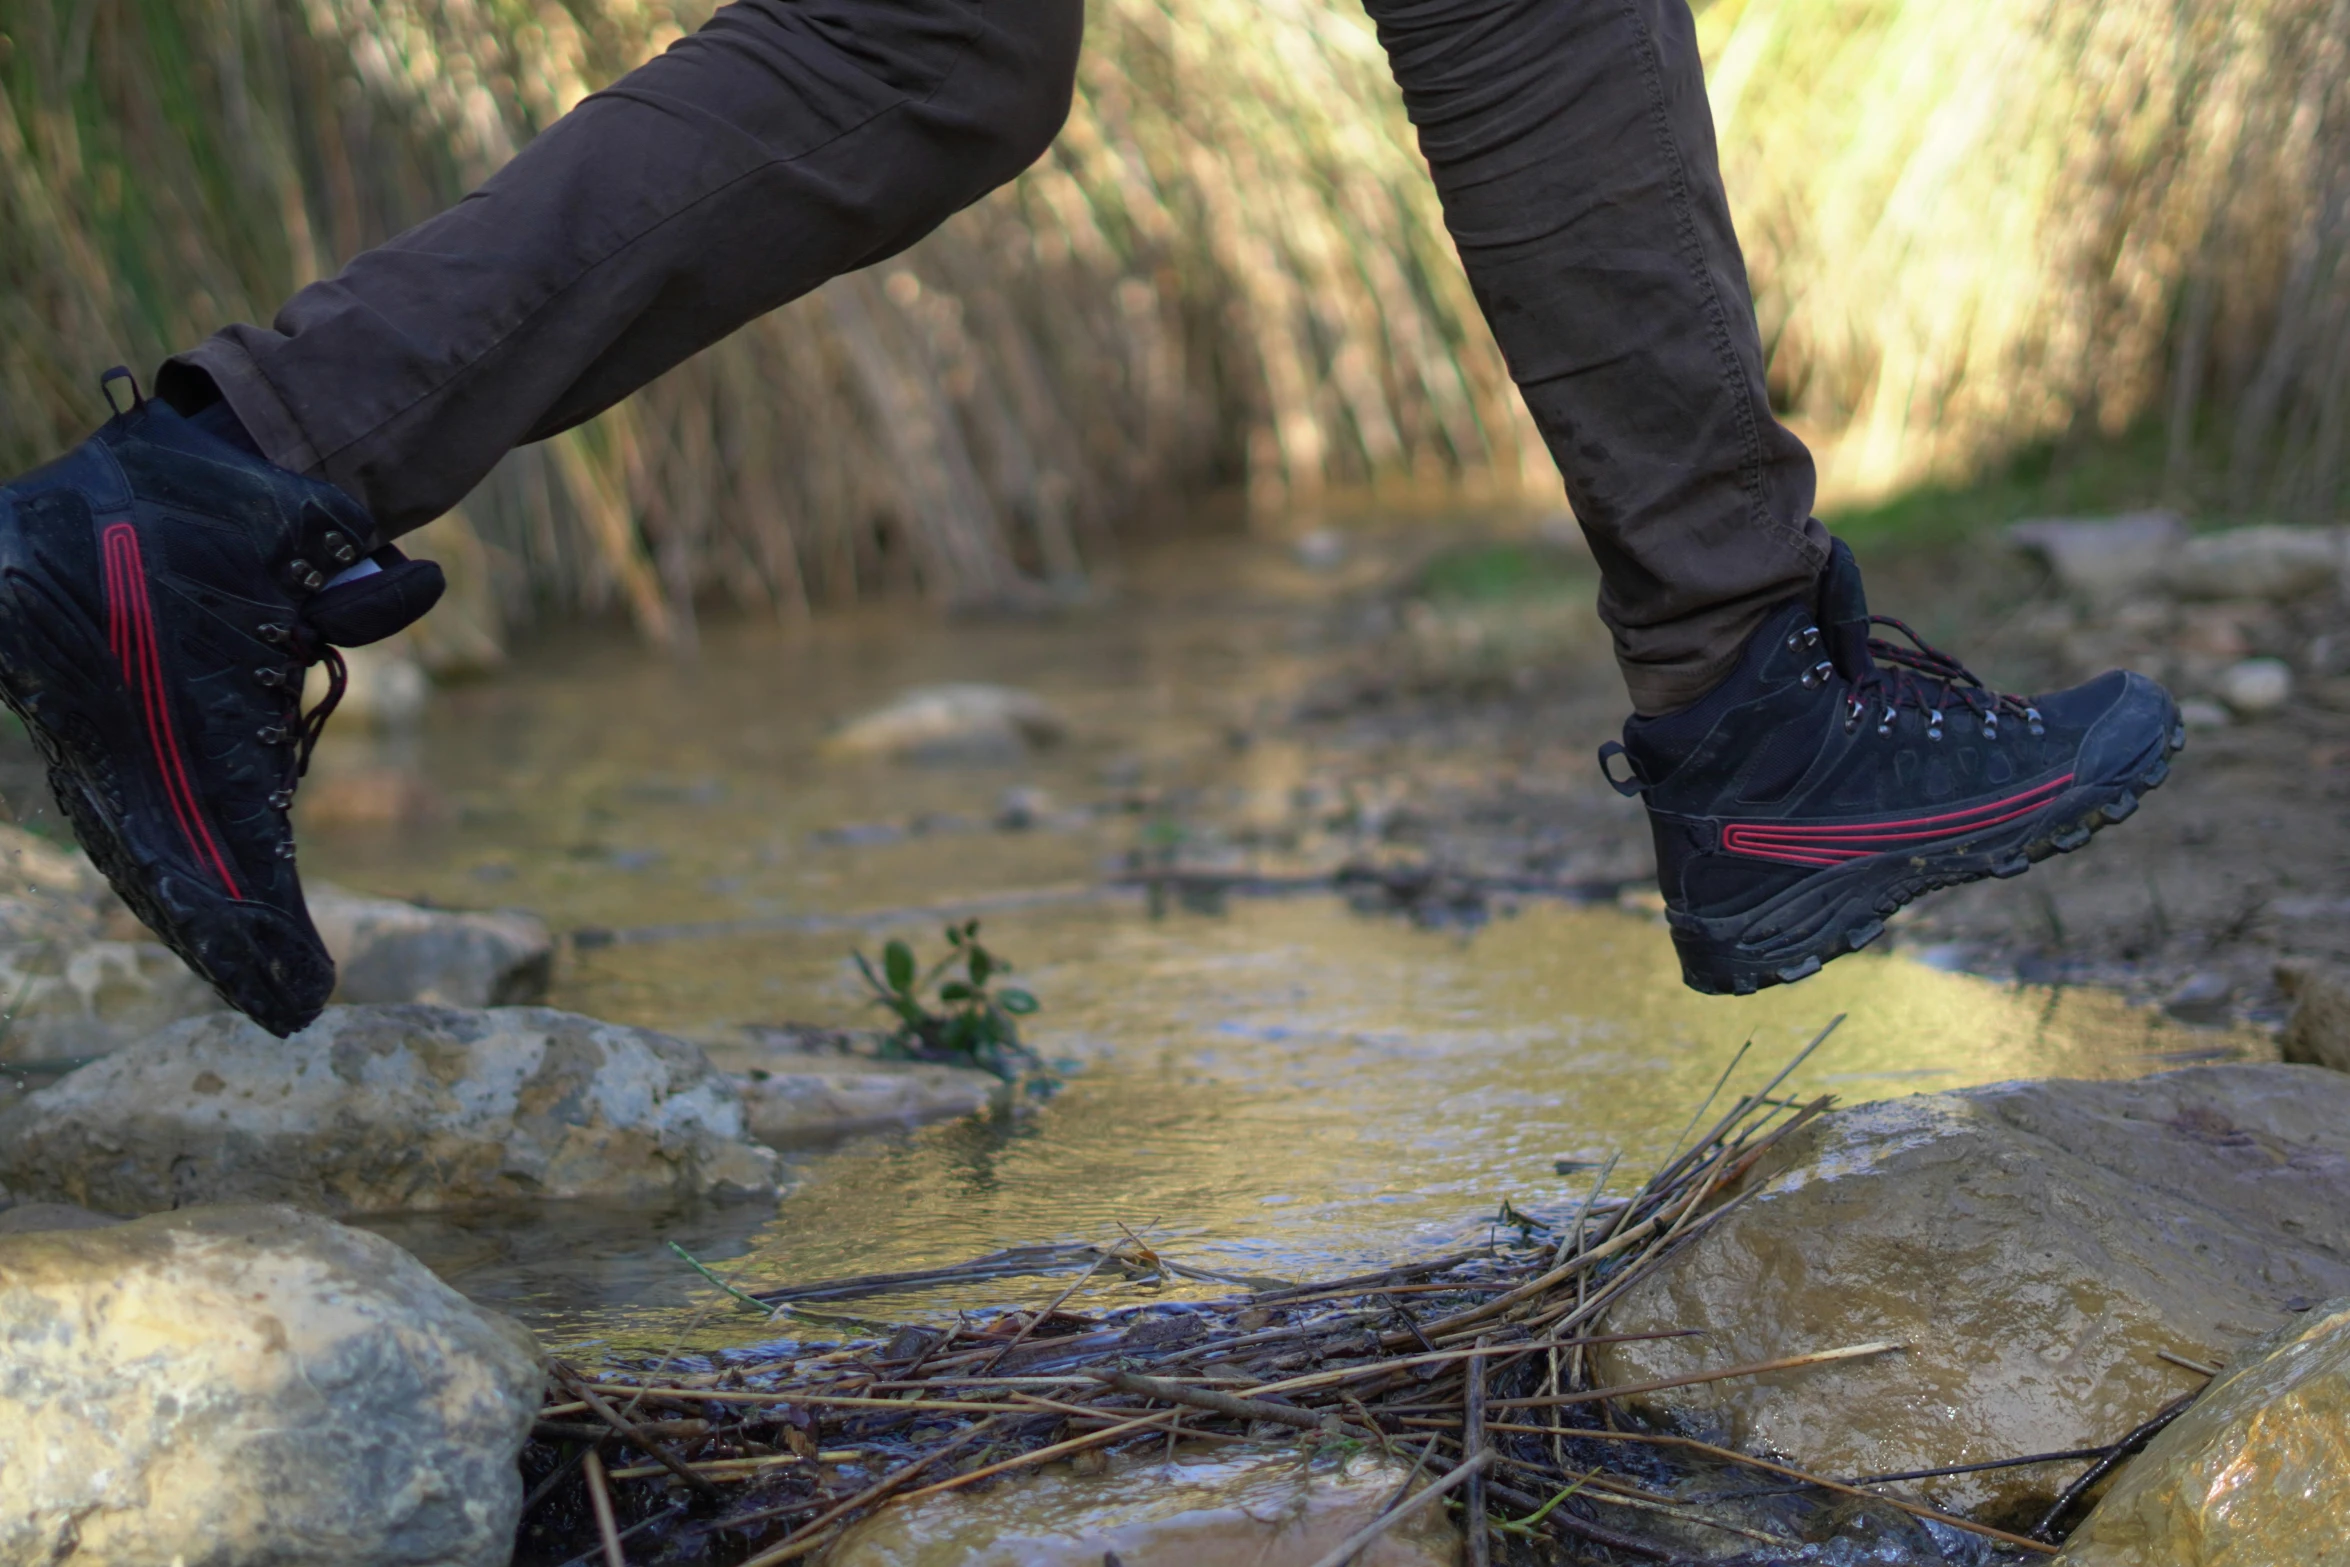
[(1262, 1508), (2251, 1473), (2036, 1246), (377, 1109), (220, 1387), (802, 1086), (952, 723)]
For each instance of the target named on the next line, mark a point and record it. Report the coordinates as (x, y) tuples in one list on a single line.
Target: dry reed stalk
[(1363, 1537), (1326, 1355)]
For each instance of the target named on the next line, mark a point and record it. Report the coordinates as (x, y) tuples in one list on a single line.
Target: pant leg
[(786, 142), (1574, 152)]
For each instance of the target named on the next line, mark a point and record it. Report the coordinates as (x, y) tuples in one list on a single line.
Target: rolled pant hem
[(254, 401)]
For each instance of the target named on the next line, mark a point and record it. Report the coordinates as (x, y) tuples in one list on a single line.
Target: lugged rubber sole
[(1838, 911)]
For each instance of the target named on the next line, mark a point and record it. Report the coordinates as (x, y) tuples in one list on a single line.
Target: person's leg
[(1573, 148), (165, 585), (1803, 779), (783, 144)]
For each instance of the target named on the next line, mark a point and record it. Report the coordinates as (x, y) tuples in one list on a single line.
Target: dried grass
[(1972, 227)]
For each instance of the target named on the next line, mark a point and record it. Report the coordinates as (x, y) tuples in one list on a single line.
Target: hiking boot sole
[(1842, 910), (63, 686)]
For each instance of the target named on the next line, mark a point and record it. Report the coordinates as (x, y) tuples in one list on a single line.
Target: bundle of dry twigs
[(1473, 1368)]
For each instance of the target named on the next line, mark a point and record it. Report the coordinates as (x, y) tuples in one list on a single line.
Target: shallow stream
[(1271, 1086)]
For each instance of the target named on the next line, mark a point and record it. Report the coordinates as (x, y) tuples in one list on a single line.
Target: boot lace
[(1926, 678), (298, 730)]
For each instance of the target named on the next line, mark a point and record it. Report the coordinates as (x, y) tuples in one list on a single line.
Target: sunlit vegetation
[(1976, 229)]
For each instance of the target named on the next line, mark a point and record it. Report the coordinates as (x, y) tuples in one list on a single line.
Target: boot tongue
[(1843, 610), (360, 610)]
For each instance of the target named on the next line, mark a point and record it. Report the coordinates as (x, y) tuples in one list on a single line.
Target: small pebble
[(2197, 713), (1324, 549), (2256, 685), (1021, 807), (2201, 998)]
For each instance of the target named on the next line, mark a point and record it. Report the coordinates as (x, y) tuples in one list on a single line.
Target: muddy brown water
[(1276, 1086)]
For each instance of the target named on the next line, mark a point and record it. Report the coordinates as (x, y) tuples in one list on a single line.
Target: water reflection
[(1284, 1087), (1287, 1089)]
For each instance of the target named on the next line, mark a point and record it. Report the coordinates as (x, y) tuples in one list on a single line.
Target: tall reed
[(1231, 269), (1976, 225), (1973, 224)]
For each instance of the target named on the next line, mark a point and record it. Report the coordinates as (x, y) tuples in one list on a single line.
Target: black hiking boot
[(1833, 777), (160, 604)]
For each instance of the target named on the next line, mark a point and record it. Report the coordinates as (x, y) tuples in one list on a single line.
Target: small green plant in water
[(975, 1021)]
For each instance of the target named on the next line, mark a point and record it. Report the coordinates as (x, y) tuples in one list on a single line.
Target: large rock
[(1262, 1509), (2251, 1475), (387, 951), (802, 1086), (228, 1387), (2266, 562), (2105, 558), (2035, 1245), (378, 1109), (952, 723), (2318, 1032), (79, 976)]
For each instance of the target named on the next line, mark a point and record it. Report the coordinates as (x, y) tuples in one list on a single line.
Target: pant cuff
[(254, 401)]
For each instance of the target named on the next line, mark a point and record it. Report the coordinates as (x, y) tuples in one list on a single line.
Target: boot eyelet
[(1885, 723), (1817, 676), (274, 734), (281, 799), (1799, 641), (305, 576), (342, 549), (2033, 723), (273, 678), (1934, 725), (275, 635), (285, 850), (1990, 726)]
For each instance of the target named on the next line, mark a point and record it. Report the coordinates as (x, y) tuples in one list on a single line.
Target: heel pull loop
[(106, 390), (1627, 787)]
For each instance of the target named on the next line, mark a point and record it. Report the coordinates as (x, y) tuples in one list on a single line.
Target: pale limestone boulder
[(387, 951), (76, 976), (80, 977), (952, 723), (2252, 1473), (252, 1387), (377, 1109), (2105, 558), (2270, 561), (2034, 1244), (2318, 1032), (1264, 1509), (802, 1086), (794, 1108)]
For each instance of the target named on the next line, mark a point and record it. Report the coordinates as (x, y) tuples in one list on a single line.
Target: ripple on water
[(1287, 1088)]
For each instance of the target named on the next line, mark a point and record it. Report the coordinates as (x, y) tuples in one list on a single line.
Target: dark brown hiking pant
[(792, 140)]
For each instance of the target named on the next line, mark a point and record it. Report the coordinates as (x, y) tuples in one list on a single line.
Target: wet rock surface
[(2318, 1032), (221, 1387), (376, 1109), (804, 1086), (2252, 1472), (387, 951), (2037, 1246), (79, 976), (952, 723), (1267, 1509)]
